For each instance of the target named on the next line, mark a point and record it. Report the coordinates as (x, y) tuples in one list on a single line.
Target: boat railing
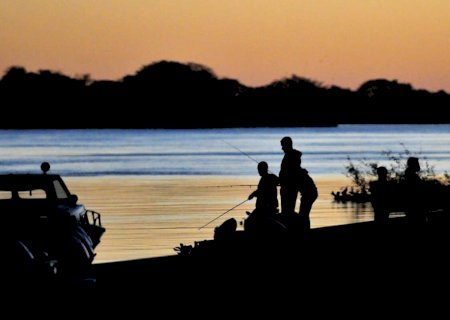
[(92, 217)]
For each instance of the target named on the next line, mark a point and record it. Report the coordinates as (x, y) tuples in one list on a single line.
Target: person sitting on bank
[(266, 196)]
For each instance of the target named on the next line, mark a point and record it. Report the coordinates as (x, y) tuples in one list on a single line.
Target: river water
[(229, 152), (156, 188)]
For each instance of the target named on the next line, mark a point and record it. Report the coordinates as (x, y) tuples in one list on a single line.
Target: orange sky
[(342, 42)]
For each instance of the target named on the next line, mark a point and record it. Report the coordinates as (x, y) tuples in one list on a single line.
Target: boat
[(48, 235)]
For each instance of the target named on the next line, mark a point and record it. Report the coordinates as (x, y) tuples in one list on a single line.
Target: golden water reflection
[(150, 216)]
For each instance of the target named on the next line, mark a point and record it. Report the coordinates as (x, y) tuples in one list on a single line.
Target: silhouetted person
[(309, 194), (266, 198), (414, 192), (226, 230), (381, 192), (412, 170), (266, 194), (288, 176)]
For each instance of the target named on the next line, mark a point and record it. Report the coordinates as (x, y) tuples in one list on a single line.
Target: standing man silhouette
[(381, 192), (414, 190), (288, 176)]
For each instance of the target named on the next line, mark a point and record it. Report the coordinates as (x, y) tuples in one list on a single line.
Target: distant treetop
[(190, 95)]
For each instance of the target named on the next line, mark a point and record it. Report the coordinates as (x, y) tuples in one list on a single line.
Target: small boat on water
[(47, 233)]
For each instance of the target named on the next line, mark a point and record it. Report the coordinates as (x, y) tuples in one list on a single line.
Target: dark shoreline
[(341, 268), (346, 253)]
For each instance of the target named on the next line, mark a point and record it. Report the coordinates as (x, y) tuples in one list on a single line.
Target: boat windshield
[(59, 190), (33, 187)]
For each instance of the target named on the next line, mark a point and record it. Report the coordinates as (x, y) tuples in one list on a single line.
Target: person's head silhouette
[(286, 144), (382, 173), (413, 164), (263, 168)]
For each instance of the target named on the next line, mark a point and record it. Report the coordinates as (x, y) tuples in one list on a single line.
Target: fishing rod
[(224, 213), (230, 186), (251, 158), (169, 228), (244, 153)]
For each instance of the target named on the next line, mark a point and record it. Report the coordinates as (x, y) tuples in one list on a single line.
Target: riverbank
[(347, 266), (149, 216)]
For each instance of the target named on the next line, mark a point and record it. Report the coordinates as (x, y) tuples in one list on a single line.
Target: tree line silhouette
[(168, 94)]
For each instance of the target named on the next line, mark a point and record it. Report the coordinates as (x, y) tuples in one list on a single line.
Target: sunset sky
[(340, 42)]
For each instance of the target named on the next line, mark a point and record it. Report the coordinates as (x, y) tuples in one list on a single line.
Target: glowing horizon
[(343, 43)]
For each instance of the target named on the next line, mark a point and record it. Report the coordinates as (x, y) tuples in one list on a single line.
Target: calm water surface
[(214, 152), (155, 188)]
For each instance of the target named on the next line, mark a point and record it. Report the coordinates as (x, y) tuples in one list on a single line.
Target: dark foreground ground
[(398, 267), (346, 265)]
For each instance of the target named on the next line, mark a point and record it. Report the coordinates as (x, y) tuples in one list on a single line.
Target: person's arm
[(276, 179), (253, 194)]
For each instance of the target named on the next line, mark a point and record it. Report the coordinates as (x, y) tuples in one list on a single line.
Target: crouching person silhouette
[(309, 194), (266, 206)]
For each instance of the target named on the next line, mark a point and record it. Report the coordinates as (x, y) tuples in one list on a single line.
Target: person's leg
[(305, 208), (288, 199)]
